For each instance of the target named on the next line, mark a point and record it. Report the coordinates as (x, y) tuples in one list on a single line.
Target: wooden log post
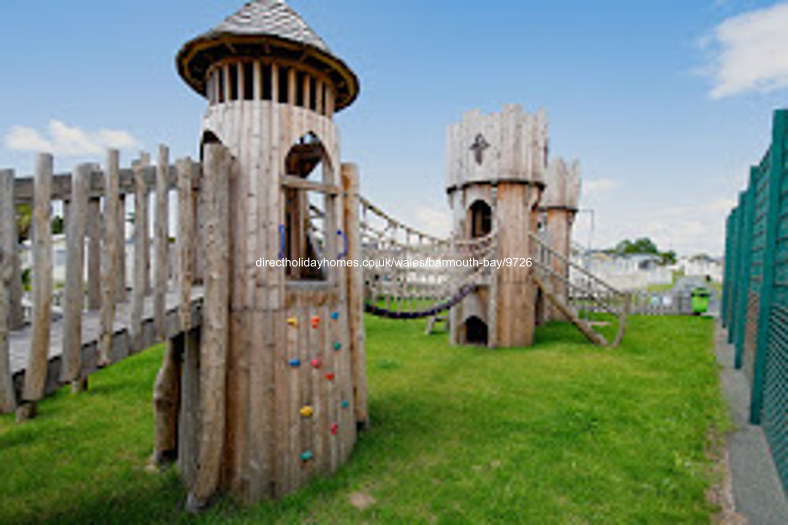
[(120, 241), (185, 238), (139, 290), (161, 241), (93, 232), (36, 371), (355, 292), (8, 248), (215, 328), (17, 314), (71, 359), (111, 255), (167, 389)]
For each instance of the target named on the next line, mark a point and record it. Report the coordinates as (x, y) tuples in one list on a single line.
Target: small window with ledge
[(310, 231)]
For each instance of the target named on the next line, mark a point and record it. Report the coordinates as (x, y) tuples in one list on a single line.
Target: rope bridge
[(410, 274)]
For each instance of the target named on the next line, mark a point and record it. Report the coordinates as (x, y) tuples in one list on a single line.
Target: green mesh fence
[(755, 292)]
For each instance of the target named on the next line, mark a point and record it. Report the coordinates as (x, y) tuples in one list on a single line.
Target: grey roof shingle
[(269, 17)]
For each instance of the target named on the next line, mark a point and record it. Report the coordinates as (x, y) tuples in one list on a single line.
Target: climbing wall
[(315, 390)]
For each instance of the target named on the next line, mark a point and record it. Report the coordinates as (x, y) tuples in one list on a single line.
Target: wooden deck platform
[(91, 329)]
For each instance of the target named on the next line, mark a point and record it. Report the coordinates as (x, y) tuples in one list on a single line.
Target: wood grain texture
[(36, 376), (215, 327), (139, 290), (75, 276), (161, 240), (112, 232), (8, 248), (355, 294)]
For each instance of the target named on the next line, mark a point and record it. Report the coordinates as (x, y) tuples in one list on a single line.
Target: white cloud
[(750, 52), (594, 187), (69, 141), (433, 221)]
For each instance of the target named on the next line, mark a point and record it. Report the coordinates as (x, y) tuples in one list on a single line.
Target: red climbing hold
[(316, 322), (330, 376), (334, 429), (317, 363)]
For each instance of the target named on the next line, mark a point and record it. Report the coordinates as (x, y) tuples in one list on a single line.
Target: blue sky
[(665, 104)]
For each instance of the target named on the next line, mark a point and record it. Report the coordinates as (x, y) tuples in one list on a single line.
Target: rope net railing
[(585, 293), (410, 274)]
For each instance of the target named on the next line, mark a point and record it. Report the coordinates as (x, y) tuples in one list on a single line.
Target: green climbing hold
[(345, 404), (308, 455), (337, 346)]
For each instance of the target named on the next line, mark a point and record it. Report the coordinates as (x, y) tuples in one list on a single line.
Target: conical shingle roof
[(269, 17), (265, 28)]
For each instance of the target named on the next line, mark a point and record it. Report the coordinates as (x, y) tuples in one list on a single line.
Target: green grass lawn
[(563, 432)]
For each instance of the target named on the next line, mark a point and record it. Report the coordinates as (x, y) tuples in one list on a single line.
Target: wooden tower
[(496, 169), (295, 382), (559, 206)]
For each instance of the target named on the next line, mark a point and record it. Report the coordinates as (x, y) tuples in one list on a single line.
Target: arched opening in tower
[(306, 223), (480, 219), (476, 332)]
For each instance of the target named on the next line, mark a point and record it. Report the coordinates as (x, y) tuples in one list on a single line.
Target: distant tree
[(24, 220), (668, 257), (644, 246), (58, 225)]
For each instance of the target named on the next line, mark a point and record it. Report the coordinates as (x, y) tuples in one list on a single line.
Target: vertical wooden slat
[(161, 242), (355, 287), (185, 238), (215, 327), (71, 360), (120, 240), (36, 371), (112, 233), (166, 399), (8, 248), (94, 253), (140, 253), (16, 316)]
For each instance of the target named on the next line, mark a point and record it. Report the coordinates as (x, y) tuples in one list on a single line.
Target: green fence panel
[(769, 400)]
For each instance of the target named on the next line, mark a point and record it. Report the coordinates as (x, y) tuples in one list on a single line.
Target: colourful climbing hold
[(335, 316), (316, 363), (334, 429), (307, 411), (308, 455), (345, 404), (293, 322), (316, 322), (330, 376), (337, 346), (295, 363)]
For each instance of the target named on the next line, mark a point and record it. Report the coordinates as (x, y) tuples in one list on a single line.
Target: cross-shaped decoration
[(478, 147)]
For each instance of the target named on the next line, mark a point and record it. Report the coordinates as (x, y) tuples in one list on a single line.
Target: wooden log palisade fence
[(104, 320)]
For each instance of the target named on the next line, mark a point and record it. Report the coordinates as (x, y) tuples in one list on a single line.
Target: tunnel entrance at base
[(476, 332)]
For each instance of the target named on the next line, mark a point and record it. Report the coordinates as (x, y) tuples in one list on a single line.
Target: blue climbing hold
[(335, 316), (337, 346), (306, 456), (295, 363), (345, 404)]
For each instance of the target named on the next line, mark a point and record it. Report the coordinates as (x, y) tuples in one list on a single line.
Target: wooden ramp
[(122, 345), (587, 293)]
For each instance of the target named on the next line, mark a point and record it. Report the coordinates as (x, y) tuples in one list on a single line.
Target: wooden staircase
[(579, 296)]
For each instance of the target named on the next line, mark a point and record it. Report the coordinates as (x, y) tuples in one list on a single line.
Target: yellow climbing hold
[(293, 322), (307, 411)]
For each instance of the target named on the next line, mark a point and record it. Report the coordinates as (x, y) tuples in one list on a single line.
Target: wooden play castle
[(276, 258)]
